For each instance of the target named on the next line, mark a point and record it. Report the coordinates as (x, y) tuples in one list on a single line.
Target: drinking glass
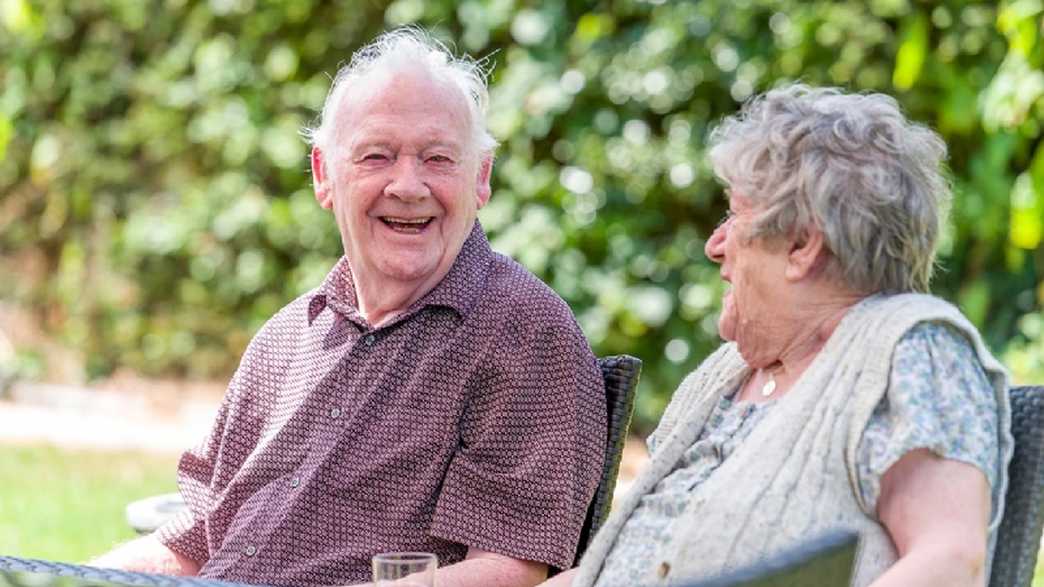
[(404, 569)]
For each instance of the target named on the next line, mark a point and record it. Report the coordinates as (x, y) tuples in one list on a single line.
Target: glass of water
[(404, 569)]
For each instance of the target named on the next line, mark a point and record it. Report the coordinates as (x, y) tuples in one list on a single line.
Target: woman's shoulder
[(938, 336), (907, 310), (937, 358)]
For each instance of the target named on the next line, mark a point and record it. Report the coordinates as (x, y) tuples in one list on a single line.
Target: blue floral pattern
[(938, 398)]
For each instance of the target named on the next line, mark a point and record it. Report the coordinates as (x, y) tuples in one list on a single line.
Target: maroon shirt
[(474, 419)]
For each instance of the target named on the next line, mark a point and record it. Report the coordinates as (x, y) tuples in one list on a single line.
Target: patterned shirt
[(474, 419), (938, 398)]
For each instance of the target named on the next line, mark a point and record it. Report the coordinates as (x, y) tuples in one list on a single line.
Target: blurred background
[(156, 207)]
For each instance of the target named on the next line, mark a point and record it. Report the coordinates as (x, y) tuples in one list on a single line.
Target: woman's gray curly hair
[(851, 165), (391, 53)]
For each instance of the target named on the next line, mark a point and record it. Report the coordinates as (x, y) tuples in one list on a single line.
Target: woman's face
[(753, 312)]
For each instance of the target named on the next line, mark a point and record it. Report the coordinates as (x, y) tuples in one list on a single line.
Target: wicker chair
[(1018, 540), (621, 379)]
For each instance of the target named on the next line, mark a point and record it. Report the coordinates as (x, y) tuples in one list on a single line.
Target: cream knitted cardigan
[(794, 477)]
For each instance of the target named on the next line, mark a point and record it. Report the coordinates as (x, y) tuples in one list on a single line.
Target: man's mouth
[(407, 225)]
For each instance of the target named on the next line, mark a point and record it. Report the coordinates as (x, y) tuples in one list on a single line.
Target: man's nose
[(407, 181), (715, 247)]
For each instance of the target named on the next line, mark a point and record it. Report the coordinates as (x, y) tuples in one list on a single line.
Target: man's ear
[(807, 254), (482, 185), (321, 179)]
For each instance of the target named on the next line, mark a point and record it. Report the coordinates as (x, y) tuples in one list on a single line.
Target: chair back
[(620, 373), (1018, 539)]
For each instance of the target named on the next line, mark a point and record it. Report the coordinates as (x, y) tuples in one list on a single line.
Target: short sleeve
[(939, 399), (186, 532), (532, 442)]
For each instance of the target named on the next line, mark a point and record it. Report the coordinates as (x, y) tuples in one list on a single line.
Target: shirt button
[(335, 413), (295, 482), (369, 339), (663, 569), (250, 550)]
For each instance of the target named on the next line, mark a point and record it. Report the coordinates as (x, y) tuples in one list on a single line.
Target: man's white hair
[(850, 165), (393, 52)]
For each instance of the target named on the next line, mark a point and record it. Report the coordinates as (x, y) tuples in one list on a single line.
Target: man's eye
[(439, 159), (375, 157)]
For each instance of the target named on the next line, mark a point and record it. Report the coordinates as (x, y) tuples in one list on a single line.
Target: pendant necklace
[(769, 386)]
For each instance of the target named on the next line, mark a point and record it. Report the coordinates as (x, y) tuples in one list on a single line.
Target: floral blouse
[(938, 398)]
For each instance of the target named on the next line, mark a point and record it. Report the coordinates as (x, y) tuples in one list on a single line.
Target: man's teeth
[(406, 220)]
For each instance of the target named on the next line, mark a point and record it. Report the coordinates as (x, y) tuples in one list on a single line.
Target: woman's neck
[(810, 329)]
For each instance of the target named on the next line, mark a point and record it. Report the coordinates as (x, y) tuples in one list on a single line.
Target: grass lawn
[(69, 505)]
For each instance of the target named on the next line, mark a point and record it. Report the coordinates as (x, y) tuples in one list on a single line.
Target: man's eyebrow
[(369, 144), (454, 146), (437, 144)]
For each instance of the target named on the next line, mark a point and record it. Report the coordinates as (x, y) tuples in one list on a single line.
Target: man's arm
[(481, 569), (147, 555)]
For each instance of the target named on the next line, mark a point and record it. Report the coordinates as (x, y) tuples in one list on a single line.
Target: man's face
[(403, 179)]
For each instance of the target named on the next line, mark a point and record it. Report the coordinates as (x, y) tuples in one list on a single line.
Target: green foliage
[(157, 205)]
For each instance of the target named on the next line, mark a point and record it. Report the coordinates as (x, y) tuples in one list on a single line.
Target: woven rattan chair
[(621, 379), (1018, 540)]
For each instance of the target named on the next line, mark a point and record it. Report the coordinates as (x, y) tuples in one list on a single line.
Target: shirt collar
[(459, 289)]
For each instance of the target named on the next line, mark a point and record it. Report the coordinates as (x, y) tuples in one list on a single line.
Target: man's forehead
[(415, 95), (386, 132)]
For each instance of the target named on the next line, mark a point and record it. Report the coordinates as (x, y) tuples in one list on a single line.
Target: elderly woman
[(843, 398)]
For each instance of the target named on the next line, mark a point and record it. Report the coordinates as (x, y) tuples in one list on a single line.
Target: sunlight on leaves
[(912, 49), (6, 130)]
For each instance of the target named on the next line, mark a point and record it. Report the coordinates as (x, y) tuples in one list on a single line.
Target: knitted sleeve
[(723, 364)]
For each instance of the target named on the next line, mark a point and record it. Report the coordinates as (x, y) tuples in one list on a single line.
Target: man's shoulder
[(288, 320), (524, 293)]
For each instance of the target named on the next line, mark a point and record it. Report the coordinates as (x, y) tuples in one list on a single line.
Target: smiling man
[(431, 395)]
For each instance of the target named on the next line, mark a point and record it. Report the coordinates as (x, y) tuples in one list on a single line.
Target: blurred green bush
[(156, 203)]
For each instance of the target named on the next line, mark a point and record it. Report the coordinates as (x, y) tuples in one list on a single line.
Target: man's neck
[(381, 301)]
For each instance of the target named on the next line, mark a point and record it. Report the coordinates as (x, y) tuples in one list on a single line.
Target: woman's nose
[(715, 247)]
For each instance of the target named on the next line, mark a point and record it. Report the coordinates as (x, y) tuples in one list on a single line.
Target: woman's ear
[(807, 255), (321, 180)]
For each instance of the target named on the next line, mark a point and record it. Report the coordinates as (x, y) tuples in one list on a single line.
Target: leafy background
[(156, 206)]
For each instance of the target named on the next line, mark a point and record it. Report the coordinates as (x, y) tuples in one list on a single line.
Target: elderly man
[(431, 395)]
